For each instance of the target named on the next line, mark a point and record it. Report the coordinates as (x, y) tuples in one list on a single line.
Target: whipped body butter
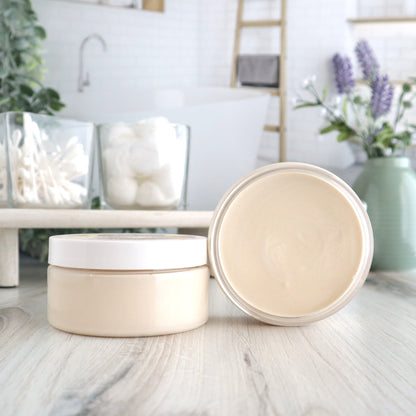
[(290, 244), (126, 285)]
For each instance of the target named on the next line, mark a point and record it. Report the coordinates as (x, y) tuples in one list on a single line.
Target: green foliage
[(351, 117), (406, 87), (21, 63), (345, 132)]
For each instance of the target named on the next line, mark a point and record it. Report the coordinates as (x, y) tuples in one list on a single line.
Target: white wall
[(393, 43), (316, 31), (145, 49), (191, 44)]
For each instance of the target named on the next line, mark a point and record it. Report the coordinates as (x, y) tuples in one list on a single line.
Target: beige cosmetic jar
[(125, 285), (290, 244)]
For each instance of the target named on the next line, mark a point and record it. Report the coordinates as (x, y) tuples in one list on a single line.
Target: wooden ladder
[(281, 91)]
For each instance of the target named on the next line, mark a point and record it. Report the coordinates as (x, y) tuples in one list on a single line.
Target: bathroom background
[(191, 43)]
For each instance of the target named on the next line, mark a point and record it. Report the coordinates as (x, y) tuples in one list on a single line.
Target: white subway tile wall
[(379, 8), (145, 49), (191, 44)]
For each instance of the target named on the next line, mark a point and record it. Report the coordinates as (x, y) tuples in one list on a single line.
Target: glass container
[(45, 161), (144, 165)]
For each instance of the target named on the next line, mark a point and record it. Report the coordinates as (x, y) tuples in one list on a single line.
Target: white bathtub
[(226, 126)]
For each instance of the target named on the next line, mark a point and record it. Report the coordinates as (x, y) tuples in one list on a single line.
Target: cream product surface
[(290, 244), (126, 285)]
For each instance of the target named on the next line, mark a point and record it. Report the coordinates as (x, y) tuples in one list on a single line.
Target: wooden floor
[(362, 361)]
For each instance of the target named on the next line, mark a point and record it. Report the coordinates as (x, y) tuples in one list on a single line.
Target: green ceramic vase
[(388, 186)]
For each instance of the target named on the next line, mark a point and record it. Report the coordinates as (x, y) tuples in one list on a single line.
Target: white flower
[(336, 101), (308, 81), (295, 101)]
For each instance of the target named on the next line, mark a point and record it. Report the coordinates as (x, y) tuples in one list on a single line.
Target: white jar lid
[(127, 251)]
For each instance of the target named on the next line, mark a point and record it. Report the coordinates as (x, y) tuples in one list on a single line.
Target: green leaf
[(406, 87), (407, 104), (56, 105), (343, 136), (4, 100), (325, 92), (306, 105), (357, 100), (345, 108), (21, 44), (40, 32), (96, 203), (328, 129), (3, 72), (26, 90), (21, 63), (52, 94)]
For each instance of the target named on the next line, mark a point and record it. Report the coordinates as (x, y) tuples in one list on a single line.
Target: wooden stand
[(281, 91), (13, 219)]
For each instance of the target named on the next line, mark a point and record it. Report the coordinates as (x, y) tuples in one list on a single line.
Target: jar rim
[(257, 312)]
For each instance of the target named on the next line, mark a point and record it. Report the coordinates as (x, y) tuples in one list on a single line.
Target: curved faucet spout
[(85, 81)]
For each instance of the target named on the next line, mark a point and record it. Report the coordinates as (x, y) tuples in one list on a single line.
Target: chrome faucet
[(83, 82)]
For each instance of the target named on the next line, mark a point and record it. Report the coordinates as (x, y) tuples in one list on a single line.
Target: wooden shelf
[(358, 20), (261, 23), (154, 5), (275, 129), (87, 218)]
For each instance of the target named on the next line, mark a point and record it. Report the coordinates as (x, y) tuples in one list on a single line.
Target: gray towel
[(258, 70)]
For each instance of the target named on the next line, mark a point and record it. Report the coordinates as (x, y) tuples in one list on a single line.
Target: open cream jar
[(290, 244), (127, 284)]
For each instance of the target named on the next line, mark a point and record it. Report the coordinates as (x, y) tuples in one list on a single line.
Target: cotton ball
[(116, 161), (143, 129), (157, 134), (149, 194), (146, 127), (169, 183), (144, 161), (120, 134), (121, 191)]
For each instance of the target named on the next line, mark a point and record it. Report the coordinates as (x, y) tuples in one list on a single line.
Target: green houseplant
[(21, 70), (21, 63), (373, 119)]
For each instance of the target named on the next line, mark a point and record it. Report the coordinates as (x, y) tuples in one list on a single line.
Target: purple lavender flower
[(381, 96), (343, 73), (367, 60)]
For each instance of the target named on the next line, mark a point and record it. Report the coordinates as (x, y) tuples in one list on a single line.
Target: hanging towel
[(258, 70)]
